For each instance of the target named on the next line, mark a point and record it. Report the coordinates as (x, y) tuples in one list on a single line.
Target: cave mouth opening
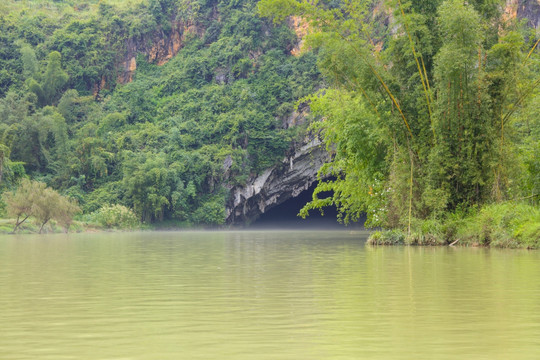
[(284, 216)]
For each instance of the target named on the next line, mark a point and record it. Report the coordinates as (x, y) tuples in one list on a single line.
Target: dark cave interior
[(284, 216)]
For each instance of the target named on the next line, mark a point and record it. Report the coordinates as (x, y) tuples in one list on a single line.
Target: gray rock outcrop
[(277, 184)]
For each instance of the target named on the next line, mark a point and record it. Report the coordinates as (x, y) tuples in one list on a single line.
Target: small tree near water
[(35, 199), (21, 202)]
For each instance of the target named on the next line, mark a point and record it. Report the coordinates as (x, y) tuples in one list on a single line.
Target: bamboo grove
[(430, 106)]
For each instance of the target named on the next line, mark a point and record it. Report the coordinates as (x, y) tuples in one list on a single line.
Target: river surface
[(263, 295)]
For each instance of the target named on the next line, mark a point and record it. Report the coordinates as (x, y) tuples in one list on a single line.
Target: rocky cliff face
[(158, 47), (300, 28), (281, 182), (161, 46), (524, 9)]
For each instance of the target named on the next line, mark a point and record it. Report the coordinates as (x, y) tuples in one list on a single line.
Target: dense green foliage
[(166, 144), (434, 114)]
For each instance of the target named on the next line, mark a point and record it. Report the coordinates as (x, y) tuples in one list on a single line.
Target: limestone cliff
[(528, 9), (158, 47), (277, 184), (300, 28)]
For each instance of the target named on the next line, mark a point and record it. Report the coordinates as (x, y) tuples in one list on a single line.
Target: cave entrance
[(284, 216)]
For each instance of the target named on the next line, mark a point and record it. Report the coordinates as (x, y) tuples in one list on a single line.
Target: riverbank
[(30, 227), (500, 225), (84, 226)]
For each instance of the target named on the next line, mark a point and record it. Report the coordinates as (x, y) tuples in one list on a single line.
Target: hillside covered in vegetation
[(158, 105), (158, 108)]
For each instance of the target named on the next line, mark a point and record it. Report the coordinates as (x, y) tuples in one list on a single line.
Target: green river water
[(263, 295)]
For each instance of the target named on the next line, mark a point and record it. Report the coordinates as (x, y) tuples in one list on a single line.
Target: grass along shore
[(506, 225)]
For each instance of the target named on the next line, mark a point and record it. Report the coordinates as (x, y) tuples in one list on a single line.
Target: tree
[(29, 60), (10, 171), (39, 139), (4, 160), (20, 203), (35, 199), (51, 82), (463, 156), (65, 211), (148, 183), (51, 205)]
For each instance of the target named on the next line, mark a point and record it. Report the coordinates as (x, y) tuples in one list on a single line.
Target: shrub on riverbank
[(506, 225), (389, 237), (116, 216)]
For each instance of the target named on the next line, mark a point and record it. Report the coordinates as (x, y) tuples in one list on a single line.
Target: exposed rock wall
[(300, 28), (277, 184), (158, 47), (524, 9)]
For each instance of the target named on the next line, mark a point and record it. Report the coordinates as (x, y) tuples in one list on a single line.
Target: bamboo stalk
[(524, 62), (520, 100), (374, 71), (377, 75), (427, 79), (530, 52), (502, 135), (418, 66), (410, 191), (366, 96)]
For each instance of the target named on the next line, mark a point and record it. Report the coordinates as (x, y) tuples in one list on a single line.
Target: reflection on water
[(263, 295)]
